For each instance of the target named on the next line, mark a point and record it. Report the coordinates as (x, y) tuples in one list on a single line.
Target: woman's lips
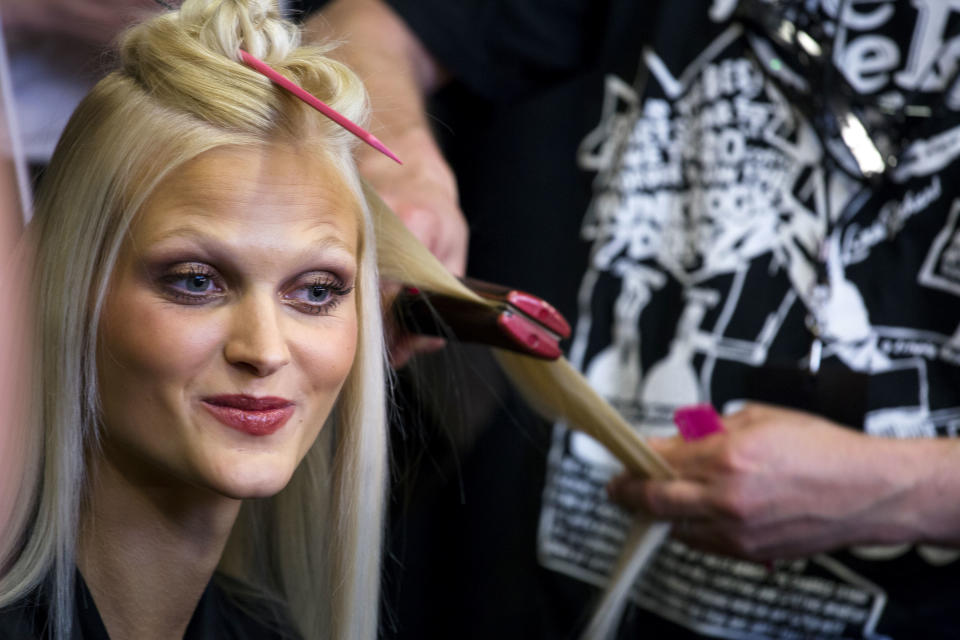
[(249, 414)]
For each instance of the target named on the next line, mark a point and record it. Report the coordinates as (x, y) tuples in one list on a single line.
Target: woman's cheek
[(166, 341), (328, 357)]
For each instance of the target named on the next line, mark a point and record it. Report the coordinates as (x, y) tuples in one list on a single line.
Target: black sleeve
[(506, 49), (502, 49)]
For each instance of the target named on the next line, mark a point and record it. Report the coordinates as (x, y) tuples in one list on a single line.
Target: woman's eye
[(318, 293), (191, 285), (197, 284), (318, 296)]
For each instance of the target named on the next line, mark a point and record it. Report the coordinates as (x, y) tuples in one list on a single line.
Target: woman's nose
[(256, 341)]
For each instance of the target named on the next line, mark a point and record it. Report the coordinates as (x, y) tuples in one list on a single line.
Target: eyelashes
[(313, 293), (192, 282), (320, 294)]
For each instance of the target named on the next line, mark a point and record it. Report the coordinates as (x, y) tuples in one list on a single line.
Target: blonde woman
[(205, 451)]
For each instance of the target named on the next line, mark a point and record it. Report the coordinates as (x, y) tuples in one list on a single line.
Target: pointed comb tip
[(382, 148), (282, 81)]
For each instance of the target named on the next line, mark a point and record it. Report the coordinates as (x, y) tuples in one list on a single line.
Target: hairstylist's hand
[(423, 193), (93, 22), (399, 72), (781, 484)]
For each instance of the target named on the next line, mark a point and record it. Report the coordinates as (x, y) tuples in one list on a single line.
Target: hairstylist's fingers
[(444, 233), (697, 459), (422, 192), (779, 541), (661, 499), (402, 346)]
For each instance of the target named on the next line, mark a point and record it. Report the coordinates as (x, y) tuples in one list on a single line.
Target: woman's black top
[(218, 616)]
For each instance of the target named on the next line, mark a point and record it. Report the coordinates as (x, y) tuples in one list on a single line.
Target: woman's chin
[(252, 489), (254, 479)]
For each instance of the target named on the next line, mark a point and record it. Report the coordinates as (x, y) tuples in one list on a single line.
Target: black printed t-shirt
[(673, 201), (218, 616)]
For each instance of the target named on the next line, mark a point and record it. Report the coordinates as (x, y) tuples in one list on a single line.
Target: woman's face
[(230, 323)]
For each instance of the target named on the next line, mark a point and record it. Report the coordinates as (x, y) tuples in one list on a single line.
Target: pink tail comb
[(262, 67)]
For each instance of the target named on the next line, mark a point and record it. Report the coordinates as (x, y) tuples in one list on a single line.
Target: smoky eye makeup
[(317, 292), (196, 283), (191, 282)]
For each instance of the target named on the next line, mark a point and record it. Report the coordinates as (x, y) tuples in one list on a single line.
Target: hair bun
[(224, 26), (188, 61)]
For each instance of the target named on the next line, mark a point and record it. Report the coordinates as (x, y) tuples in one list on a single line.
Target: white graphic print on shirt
[(708, 191)]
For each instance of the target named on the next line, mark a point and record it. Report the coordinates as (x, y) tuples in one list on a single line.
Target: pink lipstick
[(249, 414)]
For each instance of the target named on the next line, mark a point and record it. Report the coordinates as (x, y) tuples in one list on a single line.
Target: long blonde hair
[(555, 390), (180, 91)]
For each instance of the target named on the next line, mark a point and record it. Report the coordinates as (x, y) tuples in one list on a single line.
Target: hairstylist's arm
[(399, 72), (781, 484)]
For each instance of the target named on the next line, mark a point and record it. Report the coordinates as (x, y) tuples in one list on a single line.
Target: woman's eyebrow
[(185, 232), (329, 234), (330, 244)]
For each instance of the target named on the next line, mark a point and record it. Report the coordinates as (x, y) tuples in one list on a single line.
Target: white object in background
[(12, 143)]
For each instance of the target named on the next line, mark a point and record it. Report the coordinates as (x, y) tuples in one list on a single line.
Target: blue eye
[(197, 283), (319, 294), (192, 283)]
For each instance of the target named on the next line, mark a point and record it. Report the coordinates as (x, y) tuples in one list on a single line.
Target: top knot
[(225, 26), (188, 60)]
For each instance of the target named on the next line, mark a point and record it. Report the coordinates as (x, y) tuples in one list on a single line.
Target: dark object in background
[(835, 392), (871, 128)]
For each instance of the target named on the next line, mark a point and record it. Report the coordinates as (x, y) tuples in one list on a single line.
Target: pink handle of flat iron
[(529, 336)]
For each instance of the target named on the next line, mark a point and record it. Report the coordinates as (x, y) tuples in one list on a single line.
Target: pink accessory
[(262, 67), (697, 421)]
